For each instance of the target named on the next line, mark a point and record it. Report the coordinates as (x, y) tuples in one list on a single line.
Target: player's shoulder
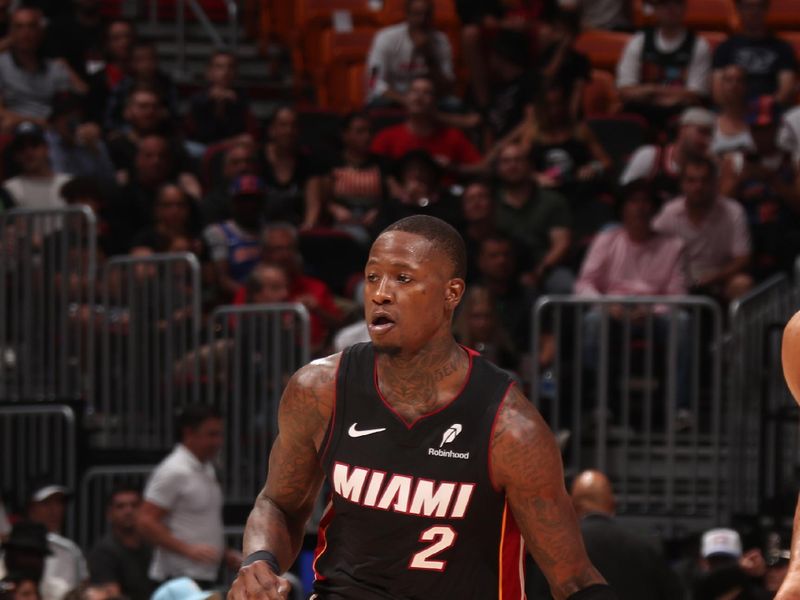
[(317, 376), (517, 418)]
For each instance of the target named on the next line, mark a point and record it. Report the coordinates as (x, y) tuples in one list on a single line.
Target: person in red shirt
[(422, 130), (279, 246)]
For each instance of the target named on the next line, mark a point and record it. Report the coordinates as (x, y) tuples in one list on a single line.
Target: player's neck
[(420, 383)]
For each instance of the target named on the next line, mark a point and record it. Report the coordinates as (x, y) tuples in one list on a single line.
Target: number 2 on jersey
[(443, 537)]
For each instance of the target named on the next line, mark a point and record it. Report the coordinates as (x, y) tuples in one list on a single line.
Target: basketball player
[(790, 355), (438, 464)]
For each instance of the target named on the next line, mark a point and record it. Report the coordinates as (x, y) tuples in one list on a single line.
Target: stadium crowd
[(497, 141)]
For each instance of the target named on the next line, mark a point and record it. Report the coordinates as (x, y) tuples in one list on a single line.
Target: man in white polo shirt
[(182, 510)]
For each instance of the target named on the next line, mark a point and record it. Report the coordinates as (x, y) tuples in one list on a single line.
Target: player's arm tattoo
[(281, 510), (526, 464)]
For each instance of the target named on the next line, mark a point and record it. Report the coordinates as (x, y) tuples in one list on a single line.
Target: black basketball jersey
[(413, 513), (666, 68)]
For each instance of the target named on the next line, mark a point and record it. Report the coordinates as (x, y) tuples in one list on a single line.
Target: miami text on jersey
[(402, 493)]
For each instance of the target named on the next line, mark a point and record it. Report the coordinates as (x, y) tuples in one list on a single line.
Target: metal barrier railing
[(97, 484), (151, 323), (38, 441), (47, 297), (760, 404), (251, 353), (637, 383)]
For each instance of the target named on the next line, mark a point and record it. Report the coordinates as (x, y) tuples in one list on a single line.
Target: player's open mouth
[(381, 323)]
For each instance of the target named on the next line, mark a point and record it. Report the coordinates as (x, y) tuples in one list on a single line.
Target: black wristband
[(598, 591), (265, 555)]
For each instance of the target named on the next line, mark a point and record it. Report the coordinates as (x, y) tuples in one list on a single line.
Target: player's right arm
[(277, 522), (790, 356)]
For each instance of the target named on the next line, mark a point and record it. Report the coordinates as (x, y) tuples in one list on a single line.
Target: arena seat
[(600, 95), (339, 53), (603, 48), (783, 14), (394, 11)]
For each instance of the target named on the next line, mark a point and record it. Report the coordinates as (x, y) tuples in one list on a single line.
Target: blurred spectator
[(662, 164), (19, 587), (602, 14), (280, 246), (356, 183), (732, 131), (418, 190), (768, 61), (238, 159), (76, 144), (87, 190), (482, 20), (777, 557), (29, 82), (292, 176), (47, 504), (5, 24), (144, 73), (145, 116), (423, 131), (763, 179), (5, 524), (24, 555), (714, 229), (632, 564), (235, 244), (514, 83), (36, 185), (635, 260), (537, 218), (727, 572), (357, 332), (221, 112), (182, 510), (400, 53), (132, 209), (561, 63), (477, 326), (119, 38), (121, 556), (478, 216), (498, 273), (173, 220), (267, 284), (788, 136), (77, 37), (666, 68)]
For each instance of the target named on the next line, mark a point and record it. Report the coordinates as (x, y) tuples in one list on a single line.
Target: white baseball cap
[(721, 541)]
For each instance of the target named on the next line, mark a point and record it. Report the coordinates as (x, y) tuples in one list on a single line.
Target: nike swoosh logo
[(355, 433)]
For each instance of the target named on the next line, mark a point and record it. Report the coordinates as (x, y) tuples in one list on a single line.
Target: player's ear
[(454, 292)]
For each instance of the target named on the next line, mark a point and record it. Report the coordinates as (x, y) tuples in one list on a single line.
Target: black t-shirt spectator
[(157, 242), (286, 199), (110, 561), (575, 67), (76, 43), (507, 108), (472, 12), (208, 122), (762, 59)]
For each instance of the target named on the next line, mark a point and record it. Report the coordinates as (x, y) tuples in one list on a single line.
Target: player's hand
[(203, 553), (258, 581)]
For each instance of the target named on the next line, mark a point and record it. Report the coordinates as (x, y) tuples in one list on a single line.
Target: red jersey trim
[(511, 559), (470, 353), (322, 538)]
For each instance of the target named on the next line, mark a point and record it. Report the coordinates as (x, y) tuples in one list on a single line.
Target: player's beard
[(387, 350)]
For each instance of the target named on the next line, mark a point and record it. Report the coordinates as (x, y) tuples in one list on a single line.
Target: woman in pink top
[(635, 260)]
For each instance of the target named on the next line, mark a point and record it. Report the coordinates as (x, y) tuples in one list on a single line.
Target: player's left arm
[(526, 464)]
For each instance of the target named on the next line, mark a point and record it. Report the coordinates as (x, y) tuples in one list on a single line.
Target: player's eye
[(402, 278), (372, 277)]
